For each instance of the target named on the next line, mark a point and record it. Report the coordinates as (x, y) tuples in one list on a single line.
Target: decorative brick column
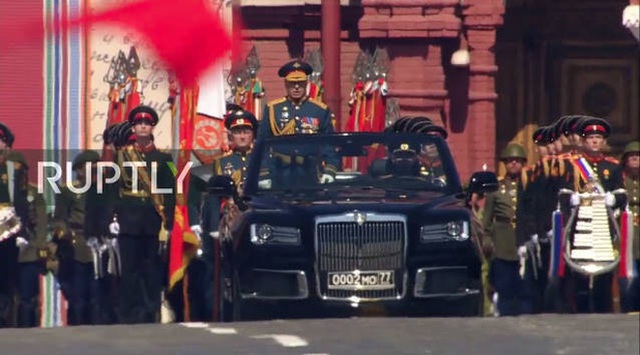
[(481, 19)]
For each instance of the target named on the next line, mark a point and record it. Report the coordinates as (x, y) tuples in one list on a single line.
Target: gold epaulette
[(318, 103), (561, 167), (277, 101)]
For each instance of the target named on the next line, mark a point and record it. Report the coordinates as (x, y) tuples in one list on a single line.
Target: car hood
[(402, 203)]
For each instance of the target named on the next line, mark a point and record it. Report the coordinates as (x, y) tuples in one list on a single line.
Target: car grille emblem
[(359, 218)]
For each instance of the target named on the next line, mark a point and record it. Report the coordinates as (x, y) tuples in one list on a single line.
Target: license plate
[(360, 280)]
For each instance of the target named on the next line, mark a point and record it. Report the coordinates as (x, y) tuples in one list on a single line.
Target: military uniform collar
[(146, 149), (237, 152), (301, 102), (594, 159)]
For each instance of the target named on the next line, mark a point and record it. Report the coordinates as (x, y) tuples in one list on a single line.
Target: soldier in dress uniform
[(631, 178), (142, 219), (82, 218), (296, 113), (607, 177), (204, 213), (31, 244), (13, 207), (499, 221)]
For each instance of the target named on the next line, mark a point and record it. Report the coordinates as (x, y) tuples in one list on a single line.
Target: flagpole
[(330, 46)]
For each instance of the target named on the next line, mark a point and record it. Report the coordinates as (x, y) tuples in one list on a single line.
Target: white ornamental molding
[(631, 19)]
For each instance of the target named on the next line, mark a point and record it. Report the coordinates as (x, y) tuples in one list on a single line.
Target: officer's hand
[(534, 238), (114, 227), (609, 199), (214, 234), (197, 230), (21, 243), (575, 199), (264, 184), (550, 233), (522, 251), (326, 179)]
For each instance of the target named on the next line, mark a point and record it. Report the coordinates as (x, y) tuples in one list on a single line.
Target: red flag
[(187, 35)]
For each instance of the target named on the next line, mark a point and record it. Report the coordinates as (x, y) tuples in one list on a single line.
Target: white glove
[(21, 243), (522, 251), (264, 184), (609, 199), (534, 238), (326, 179), (114, 227), (214, 234), (550, 233), (197, 230), (575, 199)]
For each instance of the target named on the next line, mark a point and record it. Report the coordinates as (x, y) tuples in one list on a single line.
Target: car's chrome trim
[(303, 286), (370, 217)]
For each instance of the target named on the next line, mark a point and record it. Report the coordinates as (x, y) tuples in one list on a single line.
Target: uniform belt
[(504, 219), (134, 194)]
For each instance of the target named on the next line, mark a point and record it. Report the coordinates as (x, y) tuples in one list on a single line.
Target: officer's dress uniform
[(140, 225), (205, 210), (285, 117), (13, 192), (609, 175), (499, 221)]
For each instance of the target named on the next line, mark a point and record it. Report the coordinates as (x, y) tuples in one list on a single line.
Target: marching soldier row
[(527, 270)]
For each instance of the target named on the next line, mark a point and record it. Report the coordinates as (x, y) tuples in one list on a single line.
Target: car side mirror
[(483, 182), (222, 186)]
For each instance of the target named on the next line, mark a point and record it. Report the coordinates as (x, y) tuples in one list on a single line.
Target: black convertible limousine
[(390, 229)]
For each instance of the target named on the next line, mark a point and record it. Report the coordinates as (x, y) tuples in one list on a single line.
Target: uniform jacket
[(136, 212), (632, 185), (499, 219), (36, 226)]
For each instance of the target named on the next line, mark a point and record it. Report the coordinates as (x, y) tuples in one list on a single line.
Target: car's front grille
[(343, 245)]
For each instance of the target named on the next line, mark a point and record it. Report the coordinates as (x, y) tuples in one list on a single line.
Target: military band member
[(296, 113), (606, 176), (14, 208), (30, 243), (631, 178), (499, 221), (204, 213), (143, 218)]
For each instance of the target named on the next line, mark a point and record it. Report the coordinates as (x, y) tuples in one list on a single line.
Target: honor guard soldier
[(204, 213), (81, 217), (631, 179), (296, 113), (593, 171), (13, 209), (142, 218), (499, 221), (30, 243)]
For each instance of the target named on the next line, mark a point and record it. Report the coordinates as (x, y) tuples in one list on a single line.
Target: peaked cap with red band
[(241, 118), (595, 125), (143, 113), (540, 137)]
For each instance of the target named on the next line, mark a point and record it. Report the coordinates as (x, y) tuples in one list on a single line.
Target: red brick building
[(530, 62)]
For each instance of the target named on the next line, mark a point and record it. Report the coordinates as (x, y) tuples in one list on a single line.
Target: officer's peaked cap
[(143, 113)]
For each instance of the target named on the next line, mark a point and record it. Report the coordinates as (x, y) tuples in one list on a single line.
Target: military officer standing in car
[(499, 221), (204, 211), (631, 178), (142, 219), (296, 113)]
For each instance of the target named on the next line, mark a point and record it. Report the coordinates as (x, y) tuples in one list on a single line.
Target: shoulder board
[(277, 101), (612, 160), (318, 103)]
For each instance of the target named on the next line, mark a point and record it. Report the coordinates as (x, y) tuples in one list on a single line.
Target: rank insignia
[(228, 169)]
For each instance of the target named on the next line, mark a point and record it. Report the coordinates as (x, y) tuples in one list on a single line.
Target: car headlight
[(262, 233), (456, 230)]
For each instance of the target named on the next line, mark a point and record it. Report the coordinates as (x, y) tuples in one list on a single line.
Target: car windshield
[(384, 161)]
